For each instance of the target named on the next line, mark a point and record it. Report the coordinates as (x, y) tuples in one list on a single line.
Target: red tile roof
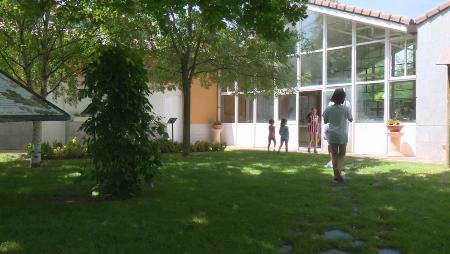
[(364, 12), (382, 15), (442, 7)]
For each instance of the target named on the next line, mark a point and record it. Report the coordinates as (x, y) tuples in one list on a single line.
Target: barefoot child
[(314, 126), (271, 135), (284, 134)]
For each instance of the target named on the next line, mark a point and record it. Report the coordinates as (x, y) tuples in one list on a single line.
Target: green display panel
[(18, 103)]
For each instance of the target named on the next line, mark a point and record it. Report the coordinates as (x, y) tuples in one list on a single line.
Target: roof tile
[(382, 15), (375, 14)]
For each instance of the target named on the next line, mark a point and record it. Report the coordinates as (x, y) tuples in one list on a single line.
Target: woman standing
[(337, 116)]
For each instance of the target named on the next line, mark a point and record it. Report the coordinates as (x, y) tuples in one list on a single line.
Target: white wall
[(432, 85)]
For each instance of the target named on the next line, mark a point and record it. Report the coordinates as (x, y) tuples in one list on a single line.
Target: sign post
[(171, 121)]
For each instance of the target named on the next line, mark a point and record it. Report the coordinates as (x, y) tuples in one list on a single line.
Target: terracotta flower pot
[(217, 126), (395, 128)]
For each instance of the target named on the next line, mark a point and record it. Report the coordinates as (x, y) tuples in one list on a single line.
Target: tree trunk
[(186, 83), (36, 144)]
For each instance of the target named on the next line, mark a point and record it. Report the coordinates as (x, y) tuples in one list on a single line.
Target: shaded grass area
[(230, 202)]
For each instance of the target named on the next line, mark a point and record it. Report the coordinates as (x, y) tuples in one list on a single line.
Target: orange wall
[(203, 103)]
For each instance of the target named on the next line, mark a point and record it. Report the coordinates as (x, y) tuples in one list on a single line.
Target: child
[(284, 134), (271, 135), (314, 125)]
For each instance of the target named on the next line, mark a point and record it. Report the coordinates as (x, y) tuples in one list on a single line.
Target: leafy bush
[(167, 146), (218, 146), (122, 128), (73, 149)]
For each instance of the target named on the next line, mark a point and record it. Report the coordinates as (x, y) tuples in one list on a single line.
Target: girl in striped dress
[(314, 127)]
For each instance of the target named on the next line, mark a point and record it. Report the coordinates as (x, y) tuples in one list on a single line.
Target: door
[(307, 101)]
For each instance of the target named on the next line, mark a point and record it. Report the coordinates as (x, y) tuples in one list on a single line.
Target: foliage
[(122, 129), (217, 203), (167, 146), (72, 150), (217, 122), (214, 42), (393, 122)]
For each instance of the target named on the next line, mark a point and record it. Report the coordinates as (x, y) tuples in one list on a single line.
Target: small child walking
[(284, 134), (271, 136)]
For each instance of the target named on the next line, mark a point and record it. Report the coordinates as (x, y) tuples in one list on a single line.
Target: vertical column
[(353, 77), (235, 112), (254, 120), (324, 52), (219, 104), (387, 54)]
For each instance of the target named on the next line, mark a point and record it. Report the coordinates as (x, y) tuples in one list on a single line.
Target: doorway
[(307, 101)]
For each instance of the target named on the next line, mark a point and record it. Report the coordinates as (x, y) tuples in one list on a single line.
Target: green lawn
[(230, 202)]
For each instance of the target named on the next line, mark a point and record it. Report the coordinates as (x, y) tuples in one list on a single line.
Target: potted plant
[(217, 125), (394, 125)]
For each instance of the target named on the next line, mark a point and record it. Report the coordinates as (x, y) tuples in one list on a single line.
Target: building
[(387, 64)]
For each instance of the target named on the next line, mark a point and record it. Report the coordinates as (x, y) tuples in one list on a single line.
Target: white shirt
[(337, 116)]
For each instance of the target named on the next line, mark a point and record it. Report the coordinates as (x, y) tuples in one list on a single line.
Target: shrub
[(218, 146), (122, 127), (73, 149)]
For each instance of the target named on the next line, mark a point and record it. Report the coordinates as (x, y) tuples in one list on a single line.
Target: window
[(370, 102), (312, 32), (245, 109), (289, 78), (348, 96), (286, 107), (411, 47), (311, 69), (339, 66), (398, 55), (367, 33), (402, 101), (403, 55), (227, 112), (339, 32), (264, 109), (370, 62)]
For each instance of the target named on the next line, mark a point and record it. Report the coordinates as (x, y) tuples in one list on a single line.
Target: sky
[(408, 8)]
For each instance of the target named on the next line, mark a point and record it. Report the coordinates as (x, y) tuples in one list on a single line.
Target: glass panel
[(245, 109), (403, 101), (264, 109), (348, 96), (312, 32), (291, 76), (339, 66), (398, 55), (227, 113), (17, 102), (311, 69), (411, 47), (370, 62), (370, 102), (339, 32), (286, 107), (367, 33)]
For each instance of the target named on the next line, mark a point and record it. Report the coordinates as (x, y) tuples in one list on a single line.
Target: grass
[(230, 202)]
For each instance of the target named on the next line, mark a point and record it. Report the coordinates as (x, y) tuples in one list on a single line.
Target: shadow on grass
[(232, 202)]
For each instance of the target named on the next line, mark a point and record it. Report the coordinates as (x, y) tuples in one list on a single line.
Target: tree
[(122, 130), (221, 41), (44, 45)]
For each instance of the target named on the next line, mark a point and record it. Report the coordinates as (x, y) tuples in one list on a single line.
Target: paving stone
[(357, 243), (286, 248), (388, 251), (336, 234), (334, 252)]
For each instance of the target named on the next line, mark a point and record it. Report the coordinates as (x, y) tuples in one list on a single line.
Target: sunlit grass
[(231, 202)]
